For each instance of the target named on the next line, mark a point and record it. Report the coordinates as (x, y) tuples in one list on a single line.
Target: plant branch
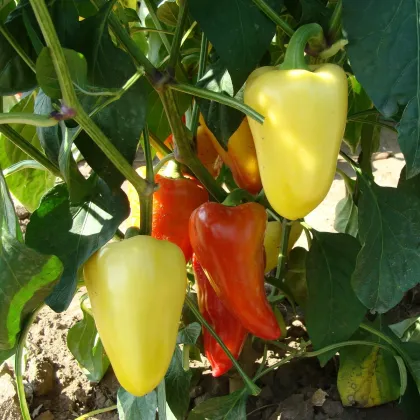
[(158, 145), (152, 12), (12, 41), (217, 97), (29, 149), (26, 118), (69, 95), (286, 226), (335, 22), (161, 397), (271, 14), (146, 202), (184, 146), (95, 412), (251, 386), (19, 367), (176, 42), (162, 162), (201, 68), (20, 166), (377, 123)]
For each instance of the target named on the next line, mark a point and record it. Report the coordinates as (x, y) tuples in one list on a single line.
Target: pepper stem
[(295, 58), (285, 233)]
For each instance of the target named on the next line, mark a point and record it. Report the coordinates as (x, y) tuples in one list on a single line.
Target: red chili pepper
[(173, 204), (227, 326), (228, 242)]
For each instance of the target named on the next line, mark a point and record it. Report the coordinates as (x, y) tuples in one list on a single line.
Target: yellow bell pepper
[(240, 157), (136, 289), (305, 117), (272, 242)]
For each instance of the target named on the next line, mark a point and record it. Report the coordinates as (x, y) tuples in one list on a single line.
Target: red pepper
[(227, 327), (173, 204), (229, 244)]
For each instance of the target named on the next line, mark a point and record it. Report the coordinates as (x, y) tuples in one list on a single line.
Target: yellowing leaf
[(368, 376)]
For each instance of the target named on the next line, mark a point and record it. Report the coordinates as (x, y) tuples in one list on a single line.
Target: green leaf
[(241, 33), (388, 264), (229, 407), (136, 408), (46, 75), (74, 232), (295, 279), (168, 13), (123, 120), (309, 11), (28, 185), (376, 30), (409, 137), (86, 346), (15, 75), (346, 216), (189, 334), (358, 101), (368, 376), (5, 8), (26, 277), (333, 312), (407, 330), (369, 144), (177, 380)]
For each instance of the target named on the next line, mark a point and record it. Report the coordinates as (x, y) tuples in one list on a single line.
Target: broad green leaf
[(177, 380), (240, 34), (229, 407), (15, 74), (136, 408), (74, 232), (168, 13), (358, 101), (309, 11), (367, 377), (28, 185), (333, 312), (409, 137), (389, 262), (47, 77), (295, 279), (189, 334), (123, 120), (6, 7), (86, 346), (346, 216), (26, 277)]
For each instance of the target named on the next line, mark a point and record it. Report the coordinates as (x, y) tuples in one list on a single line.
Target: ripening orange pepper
[(240, 157)]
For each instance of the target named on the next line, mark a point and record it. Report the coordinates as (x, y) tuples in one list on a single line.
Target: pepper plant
[(191, 85)]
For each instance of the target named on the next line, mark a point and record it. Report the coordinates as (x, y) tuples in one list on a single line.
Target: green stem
[(335, 22), (23, 164), (285, 233), (217, 97), (270, 13), (377, 123), (151, 8), (201, 68), (366, 113), (95, 412), (185, 150), (146, 29), (19, 367), (162, 162), (146, 202), (12, 41), (69, 95), (176, 42), (159, 145), (161, 397), (254, 390), (295, 58), (186, 357), (29, 149), (30, 119)]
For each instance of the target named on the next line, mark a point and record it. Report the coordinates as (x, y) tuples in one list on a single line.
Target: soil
[(57, 389)]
